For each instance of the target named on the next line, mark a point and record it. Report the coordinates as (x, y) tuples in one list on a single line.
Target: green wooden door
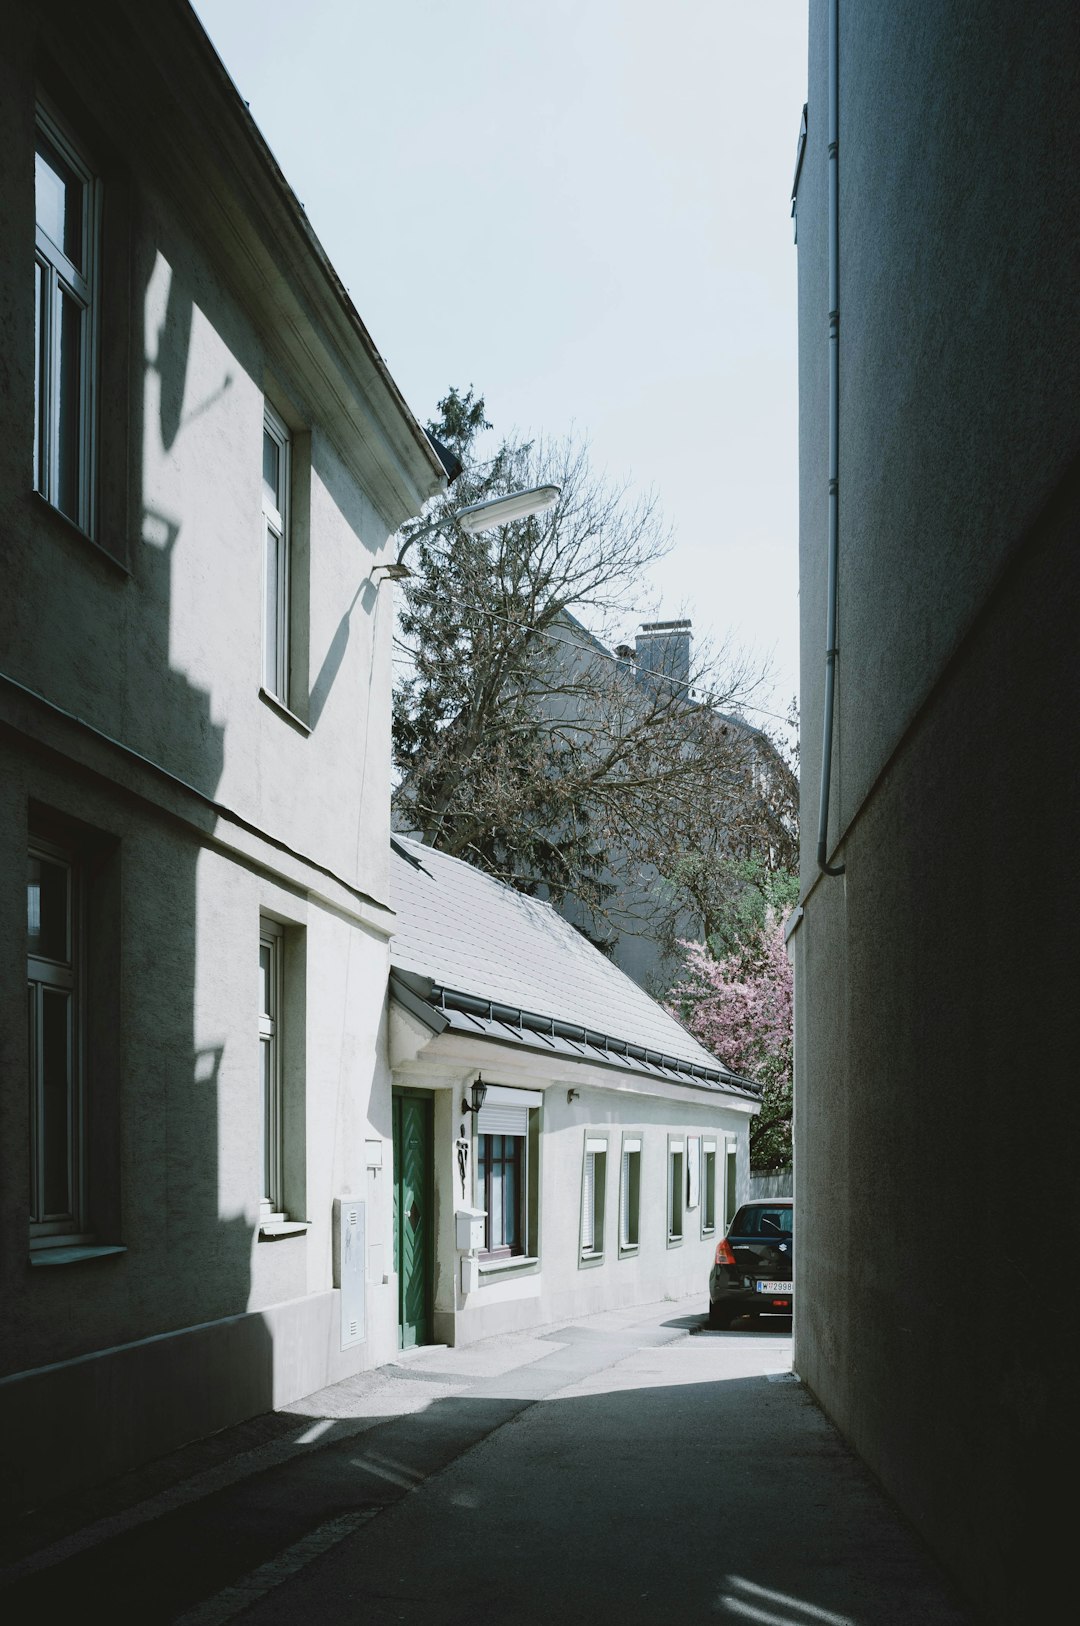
[(413, 1217)]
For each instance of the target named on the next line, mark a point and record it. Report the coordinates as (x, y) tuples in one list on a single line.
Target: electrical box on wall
[(350, 1252), (470, 1229)]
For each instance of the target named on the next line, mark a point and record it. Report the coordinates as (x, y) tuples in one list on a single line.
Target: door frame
[(427, 1098)]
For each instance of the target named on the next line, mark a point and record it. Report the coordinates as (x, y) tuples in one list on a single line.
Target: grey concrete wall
[(934, 990)]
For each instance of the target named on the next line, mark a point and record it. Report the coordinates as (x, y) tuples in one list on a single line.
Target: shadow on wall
[(193, 1262), (86, 1418)]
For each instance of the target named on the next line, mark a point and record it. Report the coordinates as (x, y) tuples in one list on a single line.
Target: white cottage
[(561, 1143)]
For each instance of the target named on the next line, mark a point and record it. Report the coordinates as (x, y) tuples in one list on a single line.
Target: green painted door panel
[(413, 1217)]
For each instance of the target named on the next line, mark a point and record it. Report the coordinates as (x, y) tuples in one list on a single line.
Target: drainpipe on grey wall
[(831, 650)]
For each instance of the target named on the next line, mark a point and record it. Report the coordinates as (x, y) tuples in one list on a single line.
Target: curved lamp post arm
[(475, 516)]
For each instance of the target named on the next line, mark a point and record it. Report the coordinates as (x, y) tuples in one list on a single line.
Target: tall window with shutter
[(708, 1184), (676, 1191), (593, 1192), (505, 1176), (629, 1194)]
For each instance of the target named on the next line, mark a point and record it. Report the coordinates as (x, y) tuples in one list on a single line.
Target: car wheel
[(719, 1318)]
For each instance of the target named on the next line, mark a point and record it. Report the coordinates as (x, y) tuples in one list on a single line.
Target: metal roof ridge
[(533, 1021)]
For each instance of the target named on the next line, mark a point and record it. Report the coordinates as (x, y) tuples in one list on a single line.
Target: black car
[(754, 1267)]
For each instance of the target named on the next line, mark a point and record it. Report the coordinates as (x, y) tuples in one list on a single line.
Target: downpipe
[(831, 649)]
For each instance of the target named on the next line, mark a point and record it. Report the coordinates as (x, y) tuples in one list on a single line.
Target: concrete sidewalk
[(629, 1466)]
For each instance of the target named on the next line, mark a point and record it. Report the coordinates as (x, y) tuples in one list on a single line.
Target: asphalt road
[(629, 1467)]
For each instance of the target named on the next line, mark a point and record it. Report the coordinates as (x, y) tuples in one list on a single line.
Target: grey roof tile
[(470, 933)]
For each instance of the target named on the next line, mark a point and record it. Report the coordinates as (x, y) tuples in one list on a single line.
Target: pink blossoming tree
[(740, 1007)]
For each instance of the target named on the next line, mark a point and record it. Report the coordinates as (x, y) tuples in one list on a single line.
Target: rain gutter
[(831, 646)]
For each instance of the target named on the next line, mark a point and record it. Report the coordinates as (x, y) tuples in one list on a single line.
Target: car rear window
[(754, 1221)]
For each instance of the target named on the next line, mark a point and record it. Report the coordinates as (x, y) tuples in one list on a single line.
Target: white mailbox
[(470, 1228)]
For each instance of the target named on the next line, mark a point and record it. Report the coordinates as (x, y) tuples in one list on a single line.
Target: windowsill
[(76, 531), (74, 1253), (271, 1230), (283, 711), (674, 1241), (587, 1260), (628, 1250), (517, 1261)]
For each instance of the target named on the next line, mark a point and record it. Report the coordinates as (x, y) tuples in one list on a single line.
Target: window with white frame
[(276, 569), (708, 1186), (271, 974), (66, 297), (57, 1108), (629, 1193), (676, 1189), (507, 1129), (593, 1193), (731, 1187)]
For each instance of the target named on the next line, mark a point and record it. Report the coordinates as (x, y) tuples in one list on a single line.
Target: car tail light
[(724, 1255)]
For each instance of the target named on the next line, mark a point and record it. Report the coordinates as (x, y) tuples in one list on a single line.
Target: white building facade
[(562, 1144), (204, 459)]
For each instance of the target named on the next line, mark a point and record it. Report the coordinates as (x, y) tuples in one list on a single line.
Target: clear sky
[(581, 207)]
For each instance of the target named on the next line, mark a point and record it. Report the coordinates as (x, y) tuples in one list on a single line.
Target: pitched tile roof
[(510, 968)]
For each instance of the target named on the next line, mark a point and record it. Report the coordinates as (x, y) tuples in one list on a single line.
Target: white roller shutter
[(506, 1111), (502, 1120), (588, 1204)]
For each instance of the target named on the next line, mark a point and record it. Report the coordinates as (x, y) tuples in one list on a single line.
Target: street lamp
[(476, 516), (479, 1096)]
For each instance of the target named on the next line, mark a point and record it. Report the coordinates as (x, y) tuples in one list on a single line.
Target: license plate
[(777, 1288)]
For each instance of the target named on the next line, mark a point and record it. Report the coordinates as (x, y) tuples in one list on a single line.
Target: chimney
[(663, 647)]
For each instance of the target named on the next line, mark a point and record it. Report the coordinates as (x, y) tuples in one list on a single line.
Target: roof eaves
[(404, 988), (512, 1024), (254, 161)]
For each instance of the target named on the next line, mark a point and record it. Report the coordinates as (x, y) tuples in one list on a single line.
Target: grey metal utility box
[(350, 1253)]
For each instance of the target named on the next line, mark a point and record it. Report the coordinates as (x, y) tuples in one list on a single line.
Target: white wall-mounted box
[(470, 1228)]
